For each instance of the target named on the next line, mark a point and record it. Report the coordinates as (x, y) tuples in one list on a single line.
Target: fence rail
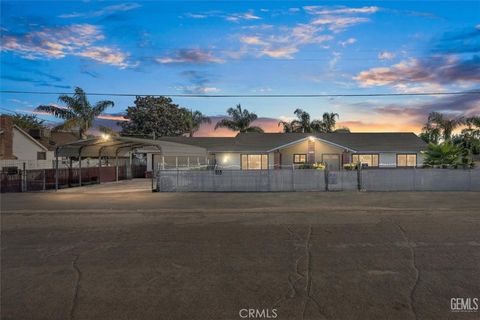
[(317, 180)]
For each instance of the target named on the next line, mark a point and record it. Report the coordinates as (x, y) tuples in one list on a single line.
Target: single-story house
[(261, 151)]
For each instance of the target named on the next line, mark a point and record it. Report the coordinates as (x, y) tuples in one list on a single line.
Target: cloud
[(199, 83), (321, 10), (456, 105), (102, 12), (59, 42), (444, 70), (284, 52), (232, 17), (106, 55), (235, 17), (347, 42), (269, 43), (189, 56), (251, 40), (386, 55), (337, 24)]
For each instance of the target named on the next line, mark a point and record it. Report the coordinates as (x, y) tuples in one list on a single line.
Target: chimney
[(6, 138)]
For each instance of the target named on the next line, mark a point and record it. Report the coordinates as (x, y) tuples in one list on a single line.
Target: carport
[(120, 150)]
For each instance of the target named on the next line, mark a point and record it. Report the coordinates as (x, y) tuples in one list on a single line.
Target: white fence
[(317, 180)]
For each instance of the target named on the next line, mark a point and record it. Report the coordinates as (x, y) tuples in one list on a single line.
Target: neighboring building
[(35, 148), (251, 151)]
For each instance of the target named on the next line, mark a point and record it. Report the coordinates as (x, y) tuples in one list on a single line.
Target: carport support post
[(80, 167), (56, 169), (99, 164), (359, 176), (70, 173), (116, 165)]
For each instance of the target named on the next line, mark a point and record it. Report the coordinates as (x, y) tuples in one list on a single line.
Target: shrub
[(350, 166)]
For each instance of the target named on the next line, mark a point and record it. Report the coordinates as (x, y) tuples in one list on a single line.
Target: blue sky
[(250, 47)]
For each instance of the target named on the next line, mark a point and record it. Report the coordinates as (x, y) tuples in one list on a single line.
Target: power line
[(314, 95)]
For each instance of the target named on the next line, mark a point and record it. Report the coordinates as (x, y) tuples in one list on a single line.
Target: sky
[(249, 48)]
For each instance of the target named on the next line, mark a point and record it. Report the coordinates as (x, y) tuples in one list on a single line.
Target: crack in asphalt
[(414, 267), (77, 286), (306, 275)]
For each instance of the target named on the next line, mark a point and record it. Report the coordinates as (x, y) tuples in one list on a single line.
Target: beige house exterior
[(261, 151)]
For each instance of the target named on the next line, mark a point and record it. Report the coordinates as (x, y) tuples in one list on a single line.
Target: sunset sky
[(249, 47)]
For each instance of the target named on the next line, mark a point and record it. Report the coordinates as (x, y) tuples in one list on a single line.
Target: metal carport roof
[(121, 145)]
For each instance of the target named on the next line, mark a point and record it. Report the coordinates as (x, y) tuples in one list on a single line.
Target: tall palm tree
[(446, 125), (303, 123), (193, 121), (329, 121), (241, 120), (78, 112)]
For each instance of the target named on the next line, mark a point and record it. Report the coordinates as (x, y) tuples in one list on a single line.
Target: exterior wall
[(302, 148), (25, 149), (387, 160)]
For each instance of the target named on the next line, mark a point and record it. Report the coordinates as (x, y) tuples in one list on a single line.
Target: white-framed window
[(254, 161), (370, 160), (299, 158), (406, 160)]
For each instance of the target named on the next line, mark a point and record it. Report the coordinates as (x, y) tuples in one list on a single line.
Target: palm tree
[(446, 155), (287, 126), (193, 121), (329, 121), (304, 125), (447, 126), (241, 120), (78, 112)]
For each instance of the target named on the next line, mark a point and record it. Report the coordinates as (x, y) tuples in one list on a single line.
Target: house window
[(299, 158), (254, 162), (41, 155), (370, 160), (406, 160)]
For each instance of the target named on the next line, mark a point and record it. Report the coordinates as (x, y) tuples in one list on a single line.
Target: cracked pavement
[(126, 253)]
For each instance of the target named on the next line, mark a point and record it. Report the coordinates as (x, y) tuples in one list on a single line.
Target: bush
[(317, 166), (305, 166), (350, 166)]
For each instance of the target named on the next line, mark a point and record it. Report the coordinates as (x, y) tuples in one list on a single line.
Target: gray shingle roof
[(263, 142)]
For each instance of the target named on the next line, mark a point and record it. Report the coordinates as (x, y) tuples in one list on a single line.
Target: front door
[(332, 161)]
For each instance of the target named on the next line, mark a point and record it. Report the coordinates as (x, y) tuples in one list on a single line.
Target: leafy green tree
[(77, 113), (155, 116), (193, 120), (28, 121), (241, 120)]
